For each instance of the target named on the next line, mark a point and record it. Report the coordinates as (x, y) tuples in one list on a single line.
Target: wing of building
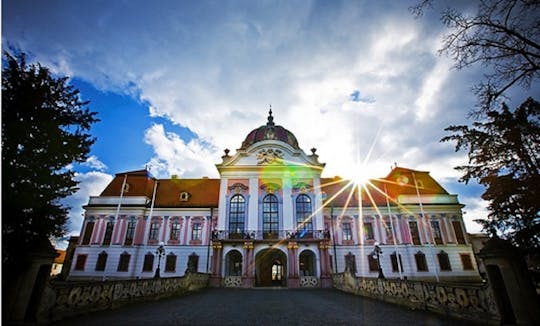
[(272, 220)]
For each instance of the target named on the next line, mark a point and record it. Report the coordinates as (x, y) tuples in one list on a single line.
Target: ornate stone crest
[(269, 156)]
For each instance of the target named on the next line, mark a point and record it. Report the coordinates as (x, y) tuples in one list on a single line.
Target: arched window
[(148, 264), (123, 263), (270, 217), (170, 263), (304, 223), (234, 263), (307, 263), (421, 263), (394, 260), (237, 213), (101, 261), (444, 262)]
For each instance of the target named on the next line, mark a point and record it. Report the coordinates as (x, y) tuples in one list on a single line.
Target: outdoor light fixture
[(377, 253), (160, 252)]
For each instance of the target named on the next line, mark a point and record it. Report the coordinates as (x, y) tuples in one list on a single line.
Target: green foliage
[(504, 156), (45, 128)]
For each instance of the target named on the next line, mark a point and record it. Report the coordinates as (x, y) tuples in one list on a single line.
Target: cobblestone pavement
[(263, 307)]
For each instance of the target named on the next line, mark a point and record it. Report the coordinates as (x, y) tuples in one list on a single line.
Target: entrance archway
[(270, 268)]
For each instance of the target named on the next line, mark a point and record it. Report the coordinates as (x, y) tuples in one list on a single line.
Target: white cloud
[(214, 68), (475, 208), (173, 156), (94, 163), (90, 184)]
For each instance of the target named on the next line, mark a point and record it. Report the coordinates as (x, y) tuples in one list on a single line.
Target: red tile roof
[(61, 256), (204, 192), (400, 181), (201, 192)]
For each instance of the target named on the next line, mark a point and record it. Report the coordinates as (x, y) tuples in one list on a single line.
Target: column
[(294, 280), (117, 227), (248, 276), (253, 207), (397, 229), (215, 278), (140, 231), (186, 231), (326, 281), (164, 228)]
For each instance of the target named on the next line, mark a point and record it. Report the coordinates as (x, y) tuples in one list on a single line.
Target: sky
[(176, 82)]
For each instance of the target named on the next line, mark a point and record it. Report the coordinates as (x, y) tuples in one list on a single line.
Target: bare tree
[(503, 36)]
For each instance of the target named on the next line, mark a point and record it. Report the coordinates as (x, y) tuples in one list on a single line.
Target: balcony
[(269, 235)]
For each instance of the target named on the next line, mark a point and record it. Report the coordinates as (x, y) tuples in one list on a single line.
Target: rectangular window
[(421, 263), (394, 261), (372, 263), (108, 234), (81, 261), (437, 235), (154, 231), (347, 232), (389, 231), (196, 232), (170, 263), (88, 233), (460, 237), (130, 233), (415, 234), (123, 263), (466, 262), (148, 264), (368, 231), (175, 231)]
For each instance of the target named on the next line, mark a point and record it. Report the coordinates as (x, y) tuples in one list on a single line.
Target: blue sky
[(176, 82)]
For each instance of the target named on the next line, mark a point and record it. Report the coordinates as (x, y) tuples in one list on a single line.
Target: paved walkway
[(263, 307)]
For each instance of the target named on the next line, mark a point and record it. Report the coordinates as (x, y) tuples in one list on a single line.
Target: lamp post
[(160, 252), (377, 253)]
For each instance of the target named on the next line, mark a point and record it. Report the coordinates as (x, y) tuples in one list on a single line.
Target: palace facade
[(272, 220)]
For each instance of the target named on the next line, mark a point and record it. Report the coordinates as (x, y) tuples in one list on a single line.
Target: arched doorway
[(307, 263), (271, 268), (233, 263)]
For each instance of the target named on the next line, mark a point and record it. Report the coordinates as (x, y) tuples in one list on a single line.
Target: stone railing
[(470, 302), (68, 299), (232, 281), (309, 281)]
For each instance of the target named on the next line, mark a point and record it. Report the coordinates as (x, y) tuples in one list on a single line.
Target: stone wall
[(68, 299), (464, 301)]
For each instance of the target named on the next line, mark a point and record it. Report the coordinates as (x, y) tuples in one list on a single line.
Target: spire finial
[(270, 117)]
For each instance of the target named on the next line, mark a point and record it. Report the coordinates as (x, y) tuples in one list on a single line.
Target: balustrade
[(270, 235)]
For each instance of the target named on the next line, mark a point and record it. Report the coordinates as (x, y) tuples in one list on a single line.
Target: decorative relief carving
[(72, 299), (270, 187), (232, 281), (238, 188), (302, 187), (269, 156), (309, 281), (472, 302)]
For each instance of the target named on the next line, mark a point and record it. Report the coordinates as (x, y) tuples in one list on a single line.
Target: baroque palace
[(272, 220)]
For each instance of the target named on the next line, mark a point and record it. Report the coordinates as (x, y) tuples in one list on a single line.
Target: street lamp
[(377, 253), (160, 252)]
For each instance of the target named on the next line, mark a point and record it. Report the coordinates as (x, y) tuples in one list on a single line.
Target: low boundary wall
[(67, 299), (464, 301)]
